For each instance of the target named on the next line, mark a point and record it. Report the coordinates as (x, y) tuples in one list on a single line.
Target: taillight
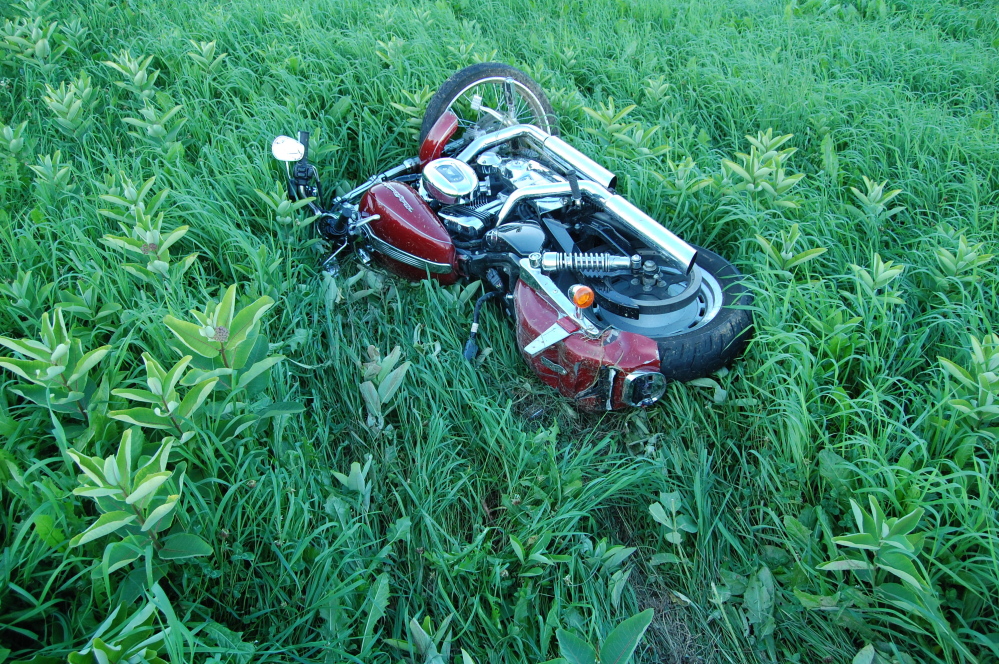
[(643, 388)]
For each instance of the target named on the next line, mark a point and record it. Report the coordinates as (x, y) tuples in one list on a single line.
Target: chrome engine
[(470, 212)]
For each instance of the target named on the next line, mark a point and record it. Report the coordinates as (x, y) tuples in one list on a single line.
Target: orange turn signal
[(582, 296)]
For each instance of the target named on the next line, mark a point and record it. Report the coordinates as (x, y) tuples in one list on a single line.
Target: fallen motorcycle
[(608, 304)]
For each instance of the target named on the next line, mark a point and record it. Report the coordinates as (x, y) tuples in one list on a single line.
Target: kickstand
[(330, 264)]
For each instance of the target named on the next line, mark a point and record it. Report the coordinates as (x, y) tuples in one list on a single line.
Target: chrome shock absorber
[(595, 264)]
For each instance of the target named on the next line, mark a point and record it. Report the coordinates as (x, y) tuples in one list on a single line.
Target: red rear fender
[(591, 371)]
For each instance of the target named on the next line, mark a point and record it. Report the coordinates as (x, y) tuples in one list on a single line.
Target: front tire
[(487, 79)]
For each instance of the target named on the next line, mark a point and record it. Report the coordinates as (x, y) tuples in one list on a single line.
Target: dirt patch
[(673, 636)]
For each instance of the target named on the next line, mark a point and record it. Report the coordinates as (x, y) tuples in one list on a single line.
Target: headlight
[(643, 388)]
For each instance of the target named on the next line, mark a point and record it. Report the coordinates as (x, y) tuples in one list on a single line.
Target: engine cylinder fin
[(464, 211)]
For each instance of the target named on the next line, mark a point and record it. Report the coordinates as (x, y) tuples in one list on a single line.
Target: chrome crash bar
[(563, 154)]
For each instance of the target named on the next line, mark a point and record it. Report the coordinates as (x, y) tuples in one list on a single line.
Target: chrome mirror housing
[(286, 148)]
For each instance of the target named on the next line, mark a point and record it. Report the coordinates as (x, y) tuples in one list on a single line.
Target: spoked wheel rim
[(496, 93)]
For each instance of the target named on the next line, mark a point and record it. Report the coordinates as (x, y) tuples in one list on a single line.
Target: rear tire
[(715, 344)]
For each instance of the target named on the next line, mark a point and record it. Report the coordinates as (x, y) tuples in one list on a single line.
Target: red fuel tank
[(407, 237)]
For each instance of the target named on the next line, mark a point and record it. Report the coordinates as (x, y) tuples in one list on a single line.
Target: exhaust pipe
[(625, 213), (563, 154)]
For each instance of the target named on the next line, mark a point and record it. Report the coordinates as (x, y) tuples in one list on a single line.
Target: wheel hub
[(675, 304), (648, 295)]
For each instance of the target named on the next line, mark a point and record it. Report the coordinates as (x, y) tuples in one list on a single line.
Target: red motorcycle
[(609, 305)]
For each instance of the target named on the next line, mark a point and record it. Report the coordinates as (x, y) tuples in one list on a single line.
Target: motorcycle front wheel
[(488, 96)]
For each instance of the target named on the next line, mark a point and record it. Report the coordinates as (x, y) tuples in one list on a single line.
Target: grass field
[(831, 498)]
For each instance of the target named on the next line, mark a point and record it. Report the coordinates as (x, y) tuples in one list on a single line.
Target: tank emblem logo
[(391, 187)]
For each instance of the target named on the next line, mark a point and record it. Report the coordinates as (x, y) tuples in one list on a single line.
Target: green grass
[(470, 468)]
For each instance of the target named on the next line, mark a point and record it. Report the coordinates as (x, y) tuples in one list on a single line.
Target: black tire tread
[(705, 350)]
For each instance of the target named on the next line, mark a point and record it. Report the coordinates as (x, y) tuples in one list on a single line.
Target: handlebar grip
[(303, 138)]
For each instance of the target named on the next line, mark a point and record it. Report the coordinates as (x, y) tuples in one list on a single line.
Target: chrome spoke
[(508, 93), (478, 106)]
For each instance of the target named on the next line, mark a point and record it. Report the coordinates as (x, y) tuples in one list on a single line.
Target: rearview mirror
[(286, 148)]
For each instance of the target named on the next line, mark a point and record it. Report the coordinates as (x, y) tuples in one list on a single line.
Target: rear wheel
[(714, 341), (701, 322), (488, 96)]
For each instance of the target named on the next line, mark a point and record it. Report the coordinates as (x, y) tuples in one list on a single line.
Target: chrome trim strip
[(546, 339), (383, 247), (557, 368), (610, 387)]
